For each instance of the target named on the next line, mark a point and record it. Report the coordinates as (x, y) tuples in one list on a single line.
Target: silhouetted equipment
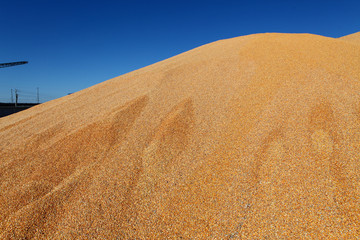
[(9, 108), (13, 107), (2, 65), (16, 97)]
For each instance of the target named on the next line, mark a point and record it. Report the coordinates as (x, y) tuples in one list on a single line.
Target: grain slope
[(252, 137), (352, 38)]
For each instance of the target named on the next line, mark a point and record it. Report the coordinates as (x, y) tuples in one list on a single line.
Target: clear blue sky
[(72, 45)]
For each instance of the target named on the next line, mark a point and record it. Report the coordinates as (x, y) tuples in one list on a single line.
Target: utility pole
[(38, 96), (12, 96), (16, 97)]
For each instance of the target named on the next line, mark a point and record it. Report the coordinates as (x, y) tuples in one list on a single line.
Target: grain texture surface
[(352, 38), (255, 137)]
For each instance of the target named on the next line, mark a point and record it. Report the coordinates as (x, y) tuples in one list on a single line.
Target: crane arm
[(2, 65)]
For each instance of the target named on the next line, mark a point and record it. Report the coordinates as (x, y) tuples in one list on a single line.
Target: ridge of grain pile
[(352, 38), (252, 137)]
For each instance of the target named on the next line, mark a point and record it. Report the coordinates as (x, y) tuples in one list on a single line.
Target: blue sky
[(72, 45)]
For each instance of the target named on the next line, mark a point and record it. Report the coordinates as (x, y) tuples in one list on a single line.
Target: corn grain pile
[(255, 137)]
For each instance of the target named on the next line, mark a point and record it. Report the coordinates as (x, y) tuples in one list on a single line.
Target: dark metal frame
[(2, 65)]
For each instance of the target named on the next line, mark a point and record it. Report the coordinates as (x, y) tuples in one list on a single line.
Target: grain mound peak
[(352, 38), (246, 138)]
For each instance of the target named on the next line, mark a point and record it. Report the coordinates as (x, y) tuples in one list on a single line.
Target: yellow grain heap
[(253, 137), (353, 38)]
